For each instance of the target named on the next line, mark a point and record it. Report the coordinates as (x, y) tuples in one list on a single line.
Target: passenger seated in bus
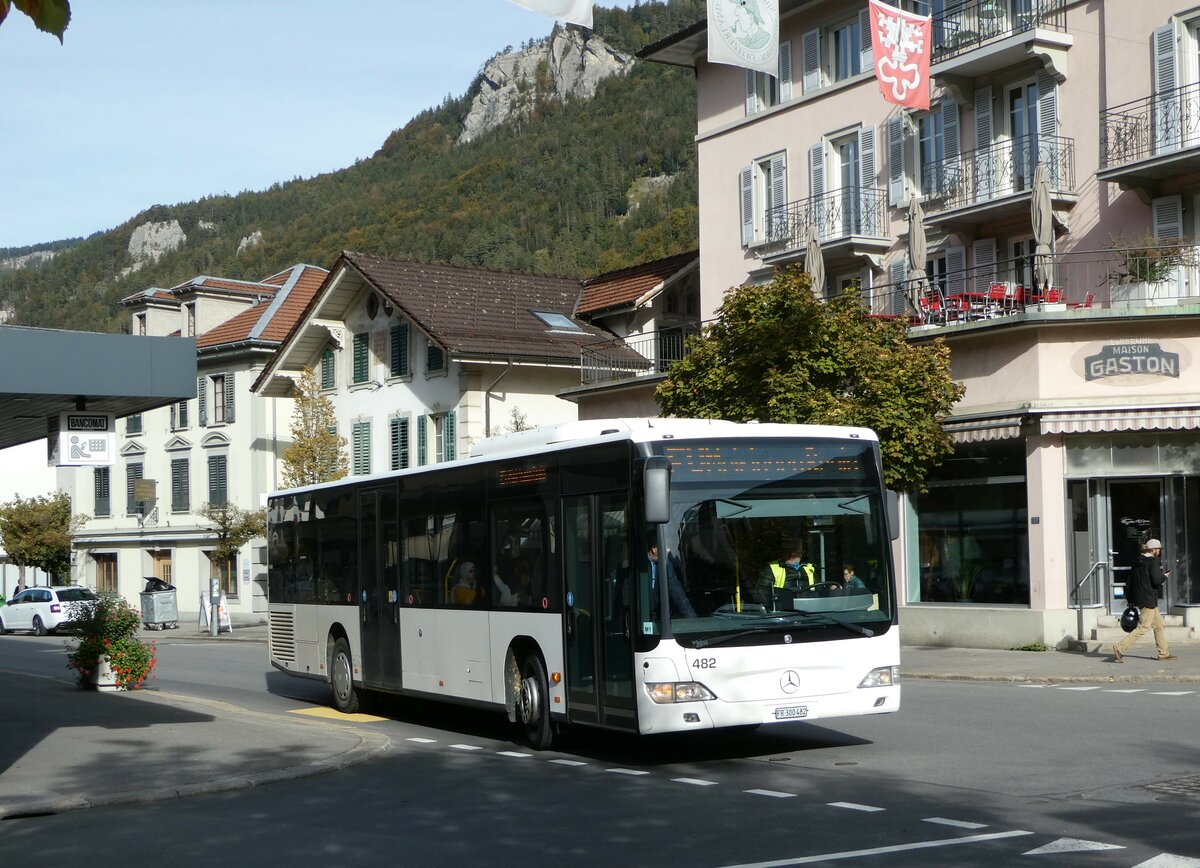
[(681, 606), (518, 591), (852, 583), (467, 590)]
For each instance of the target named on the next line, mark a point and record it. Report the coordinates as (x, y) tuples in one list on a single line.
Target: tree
[(37, 532), (51, 16), (318, 452), (778, 354)]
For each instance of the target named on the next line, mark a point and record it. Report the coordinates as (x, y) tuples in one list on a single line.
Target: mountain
[(567, 157)]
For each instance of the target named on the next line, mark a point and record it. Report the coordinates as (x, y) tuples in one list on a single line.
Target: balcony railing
[(964, 27), (840, 214), (978, 176), (635, 356), (1149, 127)]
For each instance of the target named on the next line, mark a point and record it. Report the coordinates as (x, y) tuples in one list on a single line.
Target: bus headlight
[(667, 692), (884, 676)]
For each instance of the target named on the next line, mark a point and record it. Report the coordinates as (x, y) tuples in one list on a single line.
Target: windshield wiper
[(726, 637), (830, 619)]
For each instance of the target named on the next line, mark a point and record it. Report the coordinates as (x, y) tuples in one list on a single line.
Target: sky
[(150, 102)]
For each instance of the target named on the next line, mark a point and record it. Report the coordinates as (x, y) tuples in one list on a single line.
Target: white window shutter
[(810, 51), (956, 270), (778, 181), (1167, 122), (1167, 222), (866, 280), (898, 289), (1047, 115), (951, 146), (785, 71), (816, 186), (868, 215), (983, 252), (746, 197), (984, 164), (751, 92), (864, 39), (895, 136)]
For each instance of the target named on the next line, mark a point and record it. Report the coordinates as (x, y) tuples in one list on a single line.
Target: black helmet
[(1129, 619)]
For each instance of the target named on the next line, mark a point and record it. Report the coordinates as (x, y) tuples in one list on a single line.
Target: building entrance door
[(1135, 514)]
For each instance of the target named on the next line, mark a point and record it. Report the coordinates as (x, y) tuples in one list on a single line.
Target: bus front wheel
[(533, 703), (341, 678)]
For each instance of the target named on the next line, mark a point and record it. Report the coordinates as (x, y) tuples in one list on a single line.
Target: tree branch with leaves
[(50, 16), (318, 452), (38, 532)]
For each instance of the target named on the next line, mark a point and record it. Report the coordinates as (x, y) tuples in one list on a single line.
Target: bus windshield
[(777, 535)]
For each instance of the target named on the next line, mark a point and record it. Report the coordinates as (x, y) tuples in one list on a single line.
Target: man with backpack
[(1146, 579)]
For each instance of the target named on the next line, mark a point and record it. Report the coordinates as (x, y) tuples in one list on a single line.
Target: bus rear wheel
[(533, 704), (346, 697)]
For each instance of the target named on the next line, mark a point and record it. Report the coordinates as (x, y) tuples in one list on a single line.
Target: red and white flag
[(573, 11), (901, 43)]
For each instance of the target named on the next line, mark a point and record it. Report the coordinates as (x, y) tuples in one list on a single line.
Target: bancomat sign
[(83, 439)]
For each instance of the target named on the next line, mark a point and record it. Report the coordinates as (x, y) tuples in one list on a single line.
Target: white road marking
[(854, 807), (959, 824), (774, 794), (1169, 860), (1173, 693), (876, 851), (1128, 690), (567, 762), (627, 771), (1039, 686), (466, 747), (695, 782), (422, 740), (1091, 687), (513, 753), (1071, 845)]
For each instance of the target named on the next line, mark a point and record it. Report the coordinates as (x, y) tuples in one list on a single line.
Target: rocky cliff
[(568, 63)]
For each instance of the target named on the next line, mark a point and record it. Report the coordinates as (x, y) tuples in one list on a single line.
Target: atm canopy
[(44, 372)]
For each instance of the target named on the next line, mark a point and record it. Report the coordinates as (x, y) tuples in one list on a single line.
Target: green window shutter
[(202, 400), (218, 492), (399, 367), (451, 432), (181, 414), (422, 446), (180, 494), (435, 357), (101, 482), (133, 472), (399, 444), (228, 396), (327, 381), (361, 445), (133, 424), (360, 358)]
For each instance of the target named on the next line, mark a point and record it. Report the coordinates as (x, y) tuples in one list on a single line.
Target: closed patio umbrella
[(1042, 216), (917, 252), (814, 261)]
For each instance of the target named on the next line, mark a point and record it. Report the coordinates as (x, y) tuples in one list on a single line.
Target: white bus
[(626, 574)]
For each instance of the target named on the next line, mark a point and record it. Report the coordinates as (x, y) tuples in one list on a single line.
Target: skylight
[(557, 321)]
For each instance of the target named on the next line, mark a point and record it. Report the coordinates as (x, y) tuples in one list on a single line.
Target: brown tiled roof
[(269, 321), (629, 284), (478, 311)]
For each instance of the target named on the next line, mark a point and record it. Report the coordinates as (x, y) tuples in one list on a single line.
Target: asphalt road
[(967, 774)]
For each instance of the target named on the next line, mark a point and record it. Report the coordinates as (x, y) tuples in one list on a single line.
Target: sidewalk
[(1048, 667)]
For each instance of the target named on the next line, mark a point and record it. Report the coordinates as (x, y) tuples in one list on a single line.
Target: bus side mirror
[(656, 484), (893, 515)]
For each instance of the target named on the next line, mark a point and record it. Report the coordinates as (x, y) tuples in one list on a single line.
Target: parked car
[(45, 610)]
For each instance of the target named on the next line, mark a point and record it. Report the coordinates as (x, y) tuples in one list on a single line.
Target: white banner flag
[(574, 11), (744, 33)]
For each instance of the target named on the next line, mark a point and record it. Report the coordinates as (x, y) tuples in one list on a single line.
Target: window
[(399, 444), (179, 416), (360, 437), (559, 322), (837, 53), (100, 487), (360, 358), (923, 153), (224, 569), (847, 53), (442, 429), (133, 424), (133, 472), (399, 354), (218, 490), (763, 90), (215, 390), (141, 323), (435, 358), (191, 319), (106, 573), (328, 380), (763, 198), (180, 485)]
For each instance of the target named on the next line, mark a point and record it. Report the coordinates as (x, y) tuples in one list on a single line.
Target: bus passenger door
[(597, 568), (379, 601)]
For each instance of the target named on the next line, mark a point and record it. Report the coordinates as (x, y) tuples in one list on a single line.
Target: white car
[(44, 610)]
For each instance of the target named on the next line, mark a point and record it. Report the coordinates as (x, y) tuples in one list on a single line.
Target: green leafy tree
[(778, 354), (37, 532), (318, 452), (233, 528), (51, 16)]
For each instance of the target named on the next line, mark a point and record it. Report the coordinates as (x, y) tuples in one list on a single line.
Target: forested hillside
[(548, 193)]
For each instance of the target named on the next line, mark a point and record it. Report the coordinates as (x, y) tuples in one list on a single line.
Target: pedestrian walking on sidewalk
[(1146, 580)]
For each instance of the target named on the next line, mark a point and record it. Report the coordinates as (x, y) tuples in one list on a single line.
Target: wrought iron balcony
[(963, 27), (644, 355), (1002, 169), (1163, 124), (854, 211)]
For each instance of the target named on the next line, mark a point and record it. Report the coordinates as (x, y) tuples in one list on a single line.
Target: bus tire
[(346, 698), (533, 704)]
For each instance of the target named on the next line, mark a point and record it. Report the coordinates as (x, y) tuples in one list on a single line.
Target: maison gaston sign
[(1131, 359)]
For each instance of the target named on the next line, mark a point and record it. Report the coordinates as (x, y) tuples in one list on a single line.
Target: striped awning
[(980, 430), (1131, 419)]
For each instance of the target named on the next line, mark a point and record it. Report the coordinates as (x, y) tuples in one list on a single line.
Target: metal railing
[(1001, 169), (840, 214), (964, 27), (1163, 123), (636, 356)]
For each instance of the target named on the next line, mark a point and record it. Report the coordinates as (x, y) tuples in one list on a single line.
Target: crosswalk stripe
[(853, 806), (695, 782), (958, 824), (774, 794)]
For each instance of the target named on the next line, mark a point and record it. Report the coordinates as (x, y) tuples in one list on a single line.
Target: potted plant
[(107, 651), (1144, 263)]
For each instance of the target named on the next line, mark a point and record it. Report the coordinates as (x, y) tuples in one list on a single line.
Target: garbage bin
[(160, 606)]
